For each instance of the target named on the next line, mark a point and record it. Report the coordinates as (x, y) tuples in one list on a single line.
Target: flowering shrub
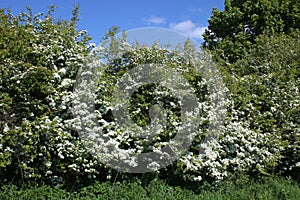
[(265, 89), (214, 154), (255, 130), (121, 140), (39, 61)]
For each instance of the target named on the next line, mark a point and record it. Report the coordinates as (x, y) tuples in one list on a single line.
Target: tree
[(232, 32)]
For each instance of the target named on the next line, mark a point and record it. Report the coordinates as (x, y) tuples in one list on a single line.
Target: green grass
[(242, 187)]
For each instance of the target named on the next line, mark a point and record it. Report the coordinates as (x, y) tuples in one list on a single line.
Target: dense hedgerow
[(40, 57)]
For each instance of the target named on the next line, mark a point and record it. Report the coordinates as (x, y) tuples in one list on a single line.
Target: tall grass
[(239, 188)]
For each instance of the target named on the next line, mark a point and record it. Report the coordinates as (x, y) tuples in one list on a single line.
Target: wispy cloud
[(155, 20), (189, 28)]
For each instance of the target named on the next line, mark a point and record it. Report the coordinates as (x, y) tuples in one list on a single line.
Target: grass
[(241, 188)]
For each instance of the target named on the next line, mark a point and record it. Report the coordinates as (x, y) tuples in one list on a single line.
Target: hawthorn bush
[(237, 147), (40, 58), (265, 89), (256, 44)]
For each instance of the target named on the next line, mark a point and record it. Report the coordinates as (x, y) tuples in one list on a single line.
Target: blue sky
[(186, 16)]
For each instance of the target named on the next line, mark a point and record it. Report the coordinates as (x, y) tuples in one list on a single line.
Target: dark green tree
[(232, 31)]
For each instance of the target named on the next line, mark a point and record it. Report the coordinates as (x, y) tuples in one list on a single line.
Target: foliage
[(265, 89), (236, 148), (240, 188), (233, 31), (256, 44), (39, 60), (39, 138)]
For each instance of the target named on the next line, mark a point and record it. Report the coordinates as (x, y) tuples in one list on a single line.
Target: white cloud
[(155, 20), (189, 28)]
